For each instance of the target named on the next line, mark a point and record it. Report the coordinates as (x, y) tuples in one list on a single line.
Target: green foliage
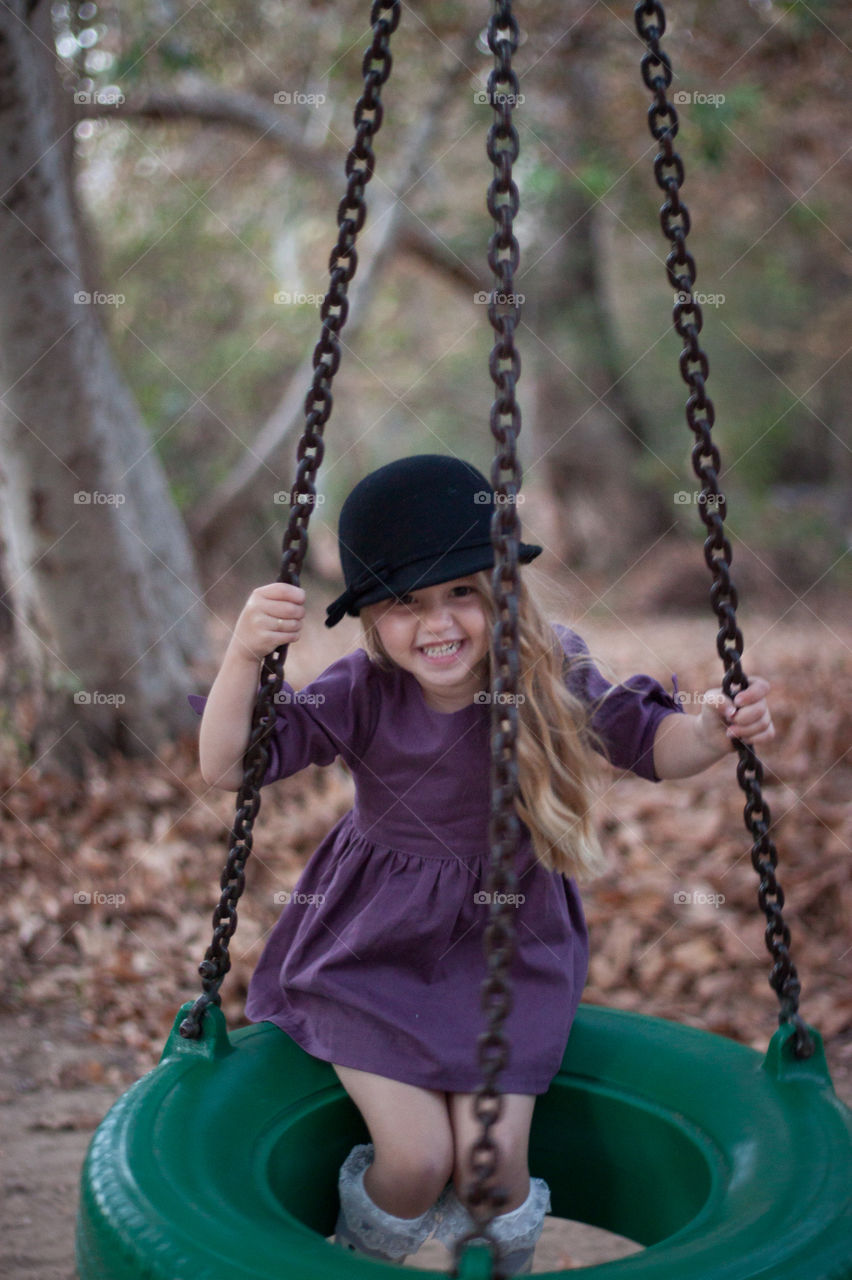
[(541, 181), (811, 17), (200, 227), (593, 177), (712, 118)]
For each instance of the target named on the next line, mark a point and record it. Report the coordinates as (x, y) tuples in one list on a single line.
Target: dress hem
[(508, 1082)]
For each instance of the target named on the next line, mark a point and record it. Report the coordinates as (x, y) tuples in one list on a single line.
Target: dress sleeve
[(624, 717), (334, 715)]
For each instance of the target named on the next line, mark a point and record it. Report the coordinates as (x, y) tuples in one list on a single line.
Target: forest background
[(170, 174)]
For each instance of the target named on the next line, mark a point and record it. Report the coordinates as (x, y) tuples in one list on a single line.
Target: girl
[(375, 964)]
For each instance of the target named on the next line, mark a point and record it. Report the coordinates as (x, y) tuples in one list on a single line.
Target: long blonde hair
[(555, 762)]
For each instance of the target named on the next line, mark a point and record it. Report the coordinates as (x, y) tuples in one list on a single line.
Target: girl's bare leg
[(412, 1139), (511, 1133), (517, 1226)]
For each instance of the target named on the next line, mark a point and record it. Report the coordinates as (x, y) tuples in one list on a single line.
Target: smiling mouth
[(441, 650)]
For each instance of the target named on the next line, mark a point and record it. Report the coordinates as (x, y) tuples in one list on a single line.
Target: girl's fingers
[(260, 634), (280, 591), (757, 690), (285, 625), (752, 723)]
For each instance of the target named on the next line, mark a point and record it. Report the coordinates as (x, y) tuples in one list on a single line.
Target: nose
[(438, 617)]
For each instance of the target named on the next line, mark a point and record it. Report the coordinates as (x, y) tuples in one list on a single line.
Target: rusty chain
[(484, 1196), (351, 215), (700, 415)]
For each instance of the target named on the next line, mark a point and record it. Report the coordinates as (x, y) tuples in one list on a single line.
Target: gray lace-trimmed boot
[(365, 1228), (516, 1233)]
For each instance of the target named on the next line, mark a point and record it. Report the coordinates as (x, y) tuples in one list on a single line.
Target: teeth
[(437, 650)]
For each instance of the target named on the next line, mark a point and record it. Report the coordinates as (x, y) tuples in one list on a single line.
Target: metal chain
[(351, 215), (484, 1195), (700, 415)]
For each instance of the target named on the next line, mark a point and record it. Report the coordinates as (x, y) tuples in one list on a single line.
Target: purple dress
[(376, 961)]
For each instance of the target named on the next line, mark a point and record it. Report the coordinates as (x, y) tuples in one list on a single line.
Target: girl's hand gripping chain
[(271, 617), (685, 745), (746, 717)]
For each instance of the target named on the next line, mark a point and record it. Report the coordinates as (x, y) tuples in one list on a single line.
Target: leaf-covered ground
[(109, 885)]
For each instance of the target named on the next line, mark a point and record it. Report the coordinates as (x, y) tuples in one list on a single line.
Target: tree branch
[(287, 418), (212, 105), (443, 261)]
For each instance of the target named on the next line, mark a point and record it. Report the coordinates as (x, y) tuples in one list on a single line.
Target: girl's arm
[(272, 617), (684, 745)]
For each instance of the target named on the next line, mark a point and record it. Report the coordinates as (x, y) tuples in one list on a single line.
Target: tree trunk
[(589, 432), (100, 574)]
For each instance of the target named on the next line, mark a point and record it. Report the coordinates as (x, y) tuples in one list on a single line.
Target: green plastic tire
[(222, 1162)]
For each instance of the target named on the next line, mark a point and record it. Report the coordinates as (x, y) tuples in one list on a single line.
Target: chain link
[(700, 415), (484, 1196), (351, 215)]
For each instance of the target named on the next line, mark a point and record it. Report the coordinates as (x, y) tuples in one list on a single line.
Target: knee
[(412, 1177), (431, 1169)]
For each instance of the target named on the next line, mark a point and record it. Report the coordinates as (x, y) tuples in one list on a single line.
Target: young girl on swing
[(376, 963)]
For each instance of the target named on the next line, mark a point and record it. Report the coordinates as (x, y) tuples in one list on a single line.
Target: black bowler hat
[(412, 524)]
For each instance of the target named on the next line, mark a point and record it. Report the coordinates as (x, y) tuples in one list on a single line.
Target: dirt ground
[(90, 991)]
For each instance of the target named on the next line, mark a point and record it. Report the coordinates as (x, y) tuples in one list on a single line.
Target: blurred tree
[(602, 400), (209, 148), (99, 570)]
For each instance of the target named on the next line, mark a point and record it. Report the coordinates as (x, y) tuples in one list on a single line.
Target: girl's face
[(441, 635)]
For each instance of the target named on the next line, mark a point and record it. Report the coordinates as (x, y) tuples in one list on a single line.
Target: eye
[(464, 590)]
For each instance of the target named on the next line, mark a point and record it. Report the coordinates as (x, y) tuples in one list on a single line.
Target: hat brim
[(422, 573)]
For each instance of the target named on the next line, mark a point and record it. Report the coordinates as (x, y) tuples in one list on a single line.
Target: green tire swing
[(223, 1160), (725, 1164)]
